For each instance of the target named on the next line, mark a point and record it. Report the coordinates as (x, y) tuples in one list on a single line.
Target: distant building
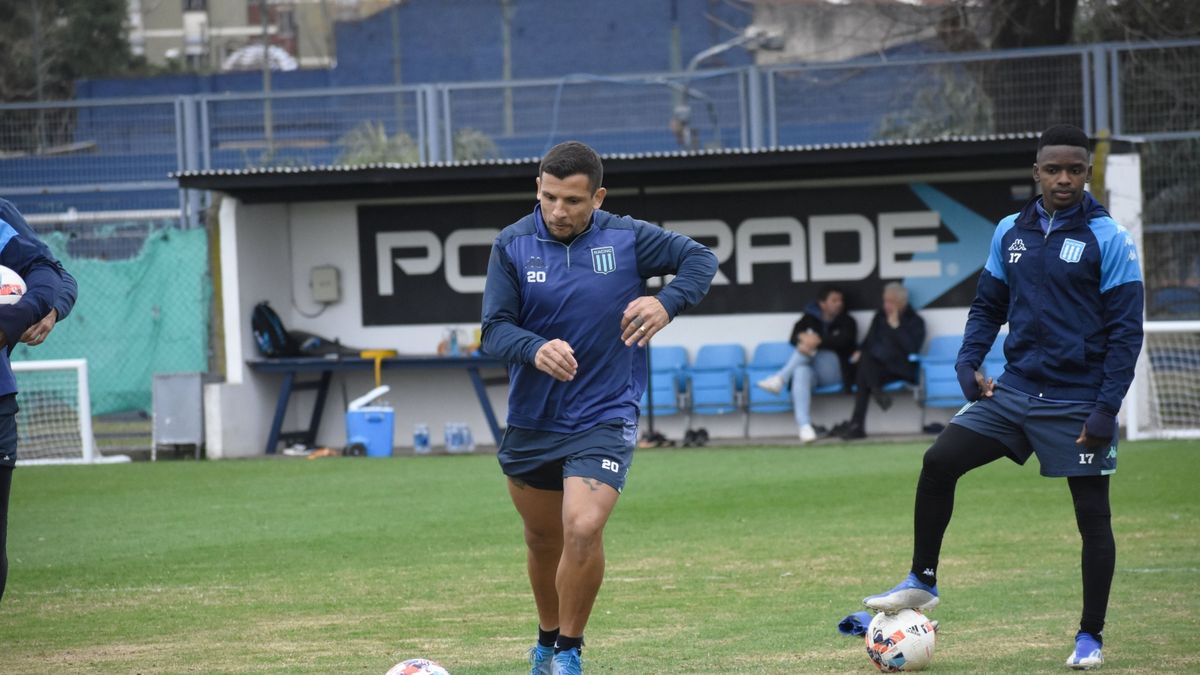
[(203, 34)]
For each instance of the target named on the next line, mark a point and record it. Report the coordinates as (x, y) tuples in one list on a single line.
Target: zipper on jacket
[(567, 246)]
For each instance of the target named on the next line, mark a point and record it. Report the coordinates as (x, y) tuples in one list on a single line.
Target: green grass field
[(730, 560)]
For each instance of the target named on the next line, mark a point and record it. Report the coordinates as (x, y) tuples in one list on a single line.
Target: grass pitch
[(719, 561)]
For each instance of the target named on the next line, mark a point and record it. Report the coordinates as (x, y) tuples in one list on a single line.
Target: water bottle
[(453, 442), (452, 342), (468, 439), (421, 439)]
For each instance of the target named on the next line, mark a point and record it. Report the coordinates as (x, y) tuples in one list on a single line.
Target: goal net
[(54, 425), (1164, 401)]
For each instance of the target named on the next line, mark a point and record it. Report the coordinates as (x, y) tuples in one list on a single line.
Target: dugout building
[(409, 246)]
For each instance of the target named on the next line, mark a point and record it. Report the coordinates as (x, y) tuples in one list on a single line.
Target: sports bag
[(271, 337)]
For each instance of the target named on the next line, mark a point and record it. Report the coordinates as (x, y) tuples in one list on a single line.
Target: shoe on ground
[(911, 593), (808, 434), (540, 659), (568, 662), (854, 432), (773, 384), (839, 428), (1087, 654)]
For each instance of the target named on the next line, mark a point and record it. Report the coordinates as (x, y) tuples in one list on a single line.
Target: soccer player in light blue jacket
[(565, 305), (1065, 277)]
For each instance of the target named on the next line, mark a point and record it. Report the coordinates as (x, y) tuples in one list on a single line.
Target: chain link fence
[(93, 176), (1159, 100)]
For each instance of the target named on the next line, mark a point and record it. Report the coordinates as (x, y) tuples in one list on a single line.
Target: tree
[(62, 41)]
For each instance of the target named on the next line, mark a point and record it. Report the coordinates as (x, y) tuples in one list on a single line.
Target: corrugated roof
[(621, 156)]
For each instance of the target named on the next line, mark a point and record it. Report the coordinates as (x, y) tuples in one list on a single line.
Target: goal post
[(54, 425), (1164, 401)]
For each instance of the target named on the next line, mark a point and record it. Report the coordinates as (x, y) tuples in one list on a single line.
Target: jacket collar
[(1090, 210)]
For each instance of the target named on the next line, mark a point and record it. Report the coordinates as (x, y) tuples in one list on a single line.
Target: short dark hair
[(823, 293), (572, 157), (1064, 134)]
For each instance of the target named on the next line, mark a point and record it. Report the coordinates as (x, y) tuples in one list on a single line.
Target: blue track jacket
[(65, 300), (1073, 302), (42, 282), (540, 289)]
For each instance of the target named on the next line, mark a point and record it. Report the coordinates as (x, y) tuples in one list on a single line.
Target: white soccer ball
[(12, 286), (417, 667), (902, 641)]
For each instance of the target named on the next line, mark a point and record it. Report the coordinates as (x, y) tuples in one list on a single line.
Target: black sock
[(956, 451), (546, 638), (564, 643), (6, 473), (1099, 556)]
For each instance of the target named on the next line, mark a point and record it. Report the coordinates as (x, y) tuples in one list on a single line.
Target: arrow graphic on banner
[(960, 259)]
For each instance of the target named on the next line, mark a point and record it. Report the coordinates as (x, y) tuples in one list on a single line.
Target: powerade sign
[(776, 247)]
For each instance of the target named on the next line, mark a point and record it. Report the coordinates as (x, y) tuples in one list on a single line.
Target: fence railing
[(114, 155)]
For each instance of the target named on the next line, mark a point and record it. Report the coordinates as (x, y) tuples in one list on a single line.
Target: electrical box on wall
[(326, 287)]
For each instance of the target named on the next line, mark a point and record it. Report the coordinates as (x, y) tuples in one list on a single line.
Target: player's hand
[(643, 317), (973, 386), (854, 358), (1098, 431), (37, 333), (556, 359)]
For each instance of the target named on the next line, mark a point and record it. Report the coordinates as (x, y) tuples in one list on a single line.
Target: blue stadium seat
[(716, 379), (768, 358), (667, 383), (938, 384)]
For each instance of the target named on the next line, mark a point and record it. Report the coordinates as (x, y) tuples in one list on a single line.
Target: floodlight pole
[(753, 38)]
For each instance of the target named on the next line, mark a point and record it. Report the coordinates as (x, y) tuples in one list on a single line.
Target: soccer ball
[(12, 286), (417, 667), (902, 641)]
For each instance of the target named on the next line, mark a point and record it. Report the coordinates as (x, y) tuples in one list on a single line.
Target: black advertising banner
[(777, 245)]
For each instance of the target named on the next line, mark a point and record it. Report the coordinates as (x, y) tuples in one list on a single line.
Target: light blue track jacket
[(540, 289)]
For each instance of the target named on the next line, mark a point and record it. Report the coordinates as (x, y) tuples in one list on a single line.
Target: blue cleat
[(908, 594), (1087, 654), (568, 662), (539, 660)]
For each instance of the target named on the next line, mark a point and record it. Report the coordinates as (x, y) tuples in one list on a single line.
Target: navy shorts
[(542, 459), (8, 430), (1029, 425)]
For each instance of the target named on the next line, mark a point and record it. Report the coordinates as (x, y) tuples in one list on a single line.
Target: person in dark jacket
[(28, 320), (824, 339), (896, 332), (1065, 277)]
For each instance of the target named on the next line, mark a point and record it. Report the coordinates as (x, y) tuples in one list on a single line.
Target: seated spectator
[(896, 331), (824, 339)]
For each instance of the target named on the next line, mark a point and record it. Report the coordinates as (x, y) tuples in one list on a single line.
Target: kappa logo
[(604, 260), (1072, 250), (1017, 245)]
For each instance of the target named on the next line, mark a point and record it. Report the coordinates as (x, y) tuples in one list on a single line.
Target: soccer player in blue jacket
[(565, 305), (1065, 277), (28, 320)]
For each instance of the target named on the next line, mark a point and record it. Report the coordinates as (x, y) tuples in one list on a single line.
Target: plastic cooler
[(372, 426)]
